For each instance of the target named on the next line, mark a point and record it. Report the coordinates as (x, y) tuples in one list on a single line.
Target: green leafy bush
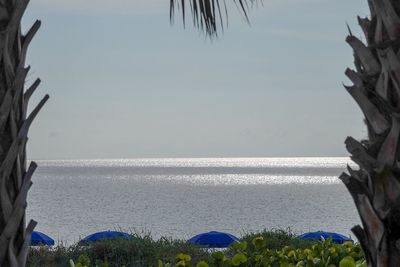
[(279, 238), (258, 254)]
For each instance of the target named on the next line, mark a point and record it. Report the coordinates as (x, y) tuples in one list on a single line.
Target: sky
[(124, 83)]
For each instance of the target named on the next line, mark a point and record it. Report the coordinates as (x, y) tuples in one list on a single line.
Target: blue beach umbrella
[(336, 238), (213, 239), (41, 239), (105, 235)]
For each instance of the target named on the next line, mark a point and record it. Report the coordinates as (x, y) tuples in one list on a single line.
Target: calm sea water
[(182, 197)]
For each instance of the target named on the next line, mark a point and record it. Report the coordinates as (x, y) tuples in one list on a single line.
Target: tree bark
[(375, 185), (15, 178)]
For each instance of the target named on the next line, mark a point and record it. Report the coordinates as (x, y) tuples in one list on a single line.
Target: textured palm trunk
[(375, 185), (15, 178)]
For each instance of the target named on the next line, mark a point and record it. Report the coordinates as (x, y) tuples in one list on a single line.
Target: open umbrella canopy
[(213, 239), (41, 239), (105, 235), (336, 238)]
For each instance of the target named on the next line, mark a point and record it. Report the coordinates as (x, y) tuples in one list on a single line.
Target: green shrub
[(278, 238), (258, 254)]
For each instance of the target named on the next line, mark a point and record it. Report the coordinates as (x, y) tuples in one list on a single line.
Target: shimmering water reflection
[(181, 197)]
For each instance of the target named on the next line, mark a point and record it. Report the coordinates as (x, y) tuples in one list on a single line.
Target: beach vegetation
[(257, 254), (267, 248), (141, 251)]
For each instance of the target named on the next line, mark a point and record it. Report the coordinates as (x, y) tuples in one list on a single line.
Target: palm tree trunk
[(15, 178), (375, 185)]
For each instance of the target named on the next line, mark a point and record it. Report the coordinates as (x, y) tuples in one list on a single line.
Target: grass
[(142, 251)]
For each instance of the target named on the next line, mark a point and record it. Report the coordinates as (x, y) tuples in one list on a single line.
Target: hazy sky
[(124, 83)]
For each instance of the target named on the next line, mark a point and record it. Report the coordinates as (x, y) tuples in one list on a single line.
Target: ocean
[(182, 197)]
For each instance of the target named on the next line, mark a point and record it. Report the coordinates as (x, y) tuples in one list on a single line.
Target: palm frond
[(207, 15)]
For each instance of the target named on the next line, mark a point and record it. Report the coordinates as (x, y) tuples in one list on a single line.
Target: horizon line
[(192, 158)]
